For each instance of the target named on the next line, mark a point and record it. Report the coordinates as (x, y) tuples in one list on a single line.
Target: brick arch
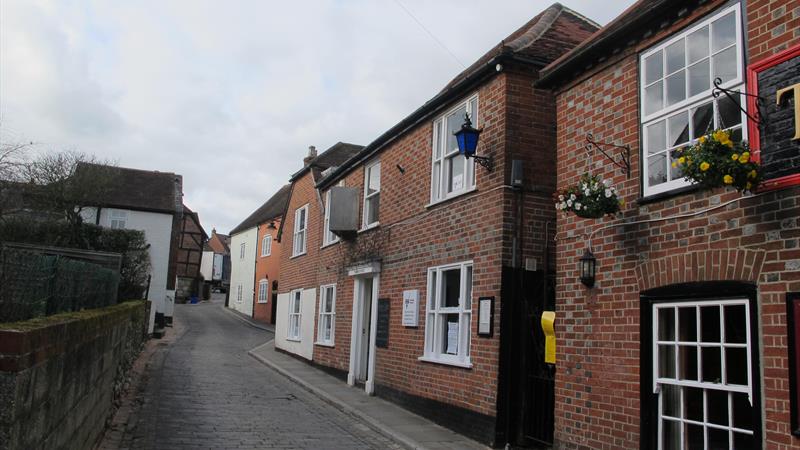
[(708, 265)]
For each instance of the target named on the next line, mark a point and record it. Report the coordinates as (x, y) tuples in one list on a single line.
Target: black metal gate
[(530, 396)]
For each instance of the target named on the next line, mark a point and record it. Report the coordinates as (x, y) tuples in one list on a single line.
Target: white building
[(243, 269)]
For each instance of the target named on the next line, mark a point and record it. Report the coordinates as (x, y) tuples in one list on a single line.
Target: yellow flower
[(735, 156), (702, 140), (728, 143), (744, 157), (674, 165), (704, 166), (681, 160), (727, 179), (749, 185), (721, 136), (752, 174)]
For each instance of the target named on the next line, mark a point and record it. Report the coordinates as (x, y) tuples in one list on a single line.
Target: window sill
[(293, 339), (329, 244), (653, 198), (369, 227), (262, 302), (324, 344), (297, 255), (464, 365), (264, 256), (451, 197)]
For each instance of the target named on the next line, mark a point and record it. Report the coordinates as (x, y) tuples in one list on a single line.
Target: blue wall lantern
[(467, 138)]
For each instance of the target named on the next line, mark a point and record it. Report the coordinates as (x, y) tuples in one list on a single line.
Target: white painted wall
[(243, 270), (157, 229), (308, 309), (206, 265)]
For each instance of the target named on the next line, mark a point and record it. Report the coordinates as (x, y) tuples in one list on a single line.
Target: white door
[(362, 345)]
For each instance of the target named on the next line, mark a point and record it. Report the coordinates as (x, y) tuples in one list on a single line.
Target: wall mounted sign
[(793, 325), (486, 316), (776, 145), (382, 327), (411, 308)]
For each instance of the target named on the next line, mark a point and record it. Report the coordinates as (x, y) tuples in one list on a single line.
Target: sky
[(231, 94)]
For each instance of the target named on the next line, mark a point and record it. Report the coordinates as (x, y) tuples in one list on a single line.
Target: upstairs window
[(241, 250), (329, 237), (300, 227), (118, 219), (451, 173), (266, 245), (372, 194), (676, 82)]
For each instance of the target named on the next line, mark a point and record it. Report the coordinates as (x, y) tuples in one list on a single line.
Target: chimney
[(312, 153)]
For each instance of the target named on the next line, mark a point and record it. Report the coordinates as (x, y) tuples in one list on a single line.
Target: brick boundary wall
[(59, 375)]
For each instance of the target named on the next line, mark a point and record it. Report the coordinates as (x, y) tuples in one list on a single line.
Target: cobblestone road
[(204, 392)]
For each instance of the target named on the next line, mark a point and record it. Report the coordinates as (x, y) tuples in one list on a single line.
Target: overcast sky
[(230, 94)]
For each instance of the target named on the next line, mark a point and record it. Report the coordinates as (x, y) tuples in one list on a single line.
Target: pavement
[(203, 391)]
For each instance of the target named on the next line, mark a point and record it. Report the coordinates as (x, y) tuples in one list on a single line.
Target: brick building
[(415, 272), (683, 340)]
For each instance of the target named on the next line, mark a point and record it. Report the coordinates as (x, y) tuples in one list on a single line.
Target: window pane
[(653, 67), (729, 112), (671, 400), (693, 403), (657, 169), (717, 438), (473, 111), (437, 139), (656, 137), (450, 334), (709, 325), (742, 412), (735, 324), (678, 129), (701, 120), (468, 295), (454, 122), (373, 204), (687, 324), (435, 183), (717, 406), (687, 358), (451, 285), (675, 56), (711, 365), (741, 440), (695, 436), (674, 172), (676, 87), (723, 32), (666, 324), (456, 180), (302, 220), (374, 179), (654, 98), (736, 366), (699, 78), (697, 45), (725, 64), (671, 434), (666, 361)]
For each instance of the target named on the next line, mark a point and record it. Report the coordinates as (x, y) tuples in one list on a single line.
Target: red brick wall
[(267, 267), (597, 386)]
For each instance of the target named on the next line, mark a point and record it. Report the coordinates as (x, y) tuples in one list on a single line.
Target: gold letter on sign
[(548, 320), (796, 90)]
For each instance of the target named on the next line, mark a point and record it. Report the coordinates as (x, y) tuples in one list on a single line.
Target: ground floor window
[(294, 314), (263, 286), (701, 372), (448, 314), (327, 308)]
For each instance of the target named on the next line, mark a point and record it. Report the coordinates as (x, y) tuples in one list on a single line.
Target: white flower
[(561, 198), (584, 185), (607, 183), (578, 206), (572, 196), (569, 202), (608, 193), (586, 192)]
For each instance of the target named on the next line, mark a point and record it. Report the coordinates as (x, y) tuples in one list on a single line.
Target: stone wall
[(59, 375)]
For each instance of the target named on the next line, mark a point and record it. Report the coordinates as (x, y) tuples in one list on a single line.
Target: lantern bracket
[(755, 116), (486, 161), (623, 159)]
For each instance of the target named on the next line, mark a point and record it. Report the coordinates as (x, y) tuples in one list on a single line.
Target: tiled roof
[(136, 189), (332, 157), (271, 209)]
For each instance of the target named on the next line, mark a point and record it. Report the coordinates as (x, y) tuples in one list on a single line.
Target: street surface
[(203, 391)]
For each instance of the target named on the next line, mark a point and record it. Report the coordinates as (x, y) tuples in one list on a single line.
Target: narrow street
[(204, 391)]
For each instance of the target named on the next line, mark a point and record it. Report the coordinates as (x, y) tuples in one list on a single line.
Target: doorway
[(362, 345)]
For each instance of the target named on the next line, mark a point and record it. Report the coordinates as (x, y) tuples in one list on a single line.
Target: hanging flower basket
[(591, 198), (716, 161)]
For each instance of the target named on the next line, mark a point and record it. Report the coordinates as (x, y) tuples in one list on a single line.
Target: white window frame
[(435, 315), (329, 238), (323, 314), (293, 330), (117, 219), (238, 293), (700, 344), (266, 245), (689, 103), (242, 250), (439, 167), (365, 213), (263, 290), (300, 235)]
